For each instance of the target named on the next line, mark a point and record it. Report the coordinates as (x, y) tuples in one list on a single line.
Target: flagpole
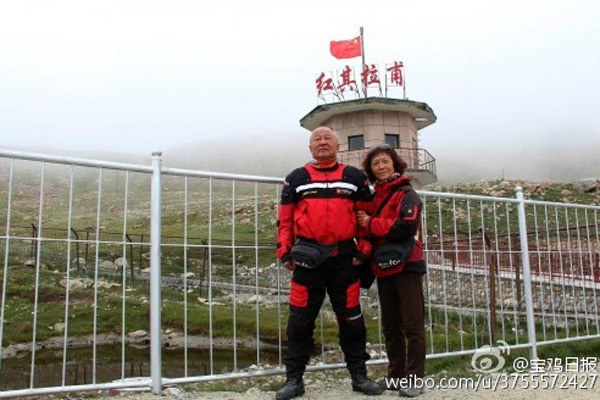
[(362, 51)]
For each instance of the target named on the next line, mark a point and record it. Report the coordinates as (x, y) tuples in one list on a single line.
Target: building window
[(392, 140), (356, 142)]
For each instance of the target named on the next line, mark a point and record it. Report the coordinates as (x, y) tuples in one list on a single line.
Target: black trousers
[(340, 279), (402, 317)]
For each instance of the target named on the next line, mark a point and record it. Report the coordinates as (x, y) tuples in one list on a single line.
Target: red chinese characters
[(370, 75), (395, 71), (324, 84), (339, 85), (347, 81)]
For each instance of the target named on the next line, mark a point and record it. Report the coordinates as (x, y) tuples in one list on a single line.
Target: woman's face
[(382, 166)]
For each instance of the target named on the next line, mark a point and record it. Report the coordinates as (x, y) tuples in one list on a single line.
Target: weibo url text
[(499, 382)]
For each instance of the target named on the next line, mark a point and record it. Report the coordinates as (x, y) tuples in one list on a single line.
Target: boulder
[(78, 260), (137, 334), (254, 299), (105, 284), (119, 263), (74, 284), (107, 265), (588, 185)]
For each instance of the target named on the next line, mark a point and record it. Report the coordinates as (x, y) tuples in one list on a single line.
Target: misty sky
[(507, 79)]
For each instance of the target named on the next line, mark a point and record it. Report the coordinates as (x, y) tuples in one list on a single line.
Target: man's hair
[(399, 164), (337, 138)]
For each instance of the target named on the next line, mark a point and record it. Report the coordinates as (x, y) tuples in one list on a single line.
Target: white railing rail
[(522, 271)]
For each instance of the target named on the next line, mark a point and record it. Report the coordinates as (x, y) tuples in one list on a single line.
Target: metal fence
[(415, 158), (522, 271)]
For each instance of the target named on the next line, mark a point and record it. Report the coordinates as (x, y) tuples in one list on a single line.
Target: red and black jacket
[(398, 221), (320, 204)]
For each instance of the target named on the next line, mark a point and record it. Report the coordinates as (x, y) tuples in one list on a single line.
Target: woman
[(399, 286)]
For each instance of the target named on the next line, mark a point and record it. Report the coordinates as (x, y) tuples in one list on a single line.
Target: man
[(318, 209)]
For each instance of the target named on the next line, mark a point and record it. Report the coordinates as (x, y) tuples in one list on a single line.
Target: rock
[(59, 327), (588, 185), (107, 265), (253, 299), (74, 284), (119, 263), (173, 391), (509, 303), (137, 334), (506, 185), (202, 300), (29, 263), (461, 215), (146, 270), (188, 275), (105, 284), (78, 261), (565, 192)]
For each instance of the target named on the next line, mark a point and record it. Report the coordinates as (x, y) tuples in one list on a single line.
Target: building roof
[(422, 113)]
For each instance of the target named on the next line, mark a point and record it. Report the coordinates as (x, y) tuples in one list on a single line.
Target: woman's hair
[(399, 164)]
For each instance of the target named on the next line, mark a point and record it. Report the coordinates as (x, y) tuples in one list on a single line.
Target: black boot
[(293, 387), (360, 383)]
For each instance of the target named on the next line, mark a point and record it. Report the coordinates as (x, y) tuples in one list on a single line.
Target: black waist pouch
[(310, 254), (391, 255)]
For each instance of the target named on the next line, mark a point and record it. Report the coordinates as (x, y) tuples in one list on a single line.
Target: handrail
[(416, 158)]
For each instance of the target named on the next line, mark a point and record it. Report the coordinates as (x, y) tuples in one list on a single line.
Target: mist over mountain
[(556, 157), (262, 155), (552, 158)]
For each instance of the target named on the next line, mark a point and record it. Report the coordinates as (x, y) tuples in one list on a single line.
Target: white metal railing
[(522, 271)]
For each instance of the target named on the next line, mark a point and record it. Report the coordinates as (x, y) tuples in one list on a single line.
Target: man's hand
[(356, 261), (361, 218), (289, 265)]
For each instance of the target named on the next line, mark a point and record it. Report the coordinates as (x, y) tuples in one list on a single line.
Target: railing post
[(526, 275), (155, 273)]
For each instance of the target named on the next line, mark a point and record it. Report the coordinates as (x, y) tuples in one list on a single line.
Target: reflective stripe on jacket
[(320, 204)]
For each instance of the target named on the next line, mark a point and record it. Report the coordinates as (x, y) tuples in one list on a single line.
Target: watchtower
[(367, 122)]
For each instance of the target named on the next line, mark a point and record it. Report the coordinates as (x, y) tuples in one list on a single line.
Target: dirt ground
[(340, 389)]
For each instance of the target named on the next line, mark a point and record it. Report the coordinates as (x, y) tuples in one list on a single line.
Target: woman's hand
[(356, 262), (361, 218), (289, 265)]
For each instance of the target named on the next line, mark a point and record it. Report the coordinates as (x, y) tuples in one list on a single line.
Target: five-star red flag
[(345, 48)]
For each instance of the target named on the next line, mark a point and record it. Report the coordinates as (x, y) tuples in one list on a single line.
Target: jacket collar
[(318, 167), (395, 180)]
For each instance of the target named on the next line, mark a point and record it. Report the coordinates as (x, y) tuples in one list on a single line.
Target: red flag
[(346, 48)]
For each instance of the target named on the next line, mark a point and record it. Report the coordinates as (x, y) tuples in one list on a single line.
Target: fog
[(514, 84)]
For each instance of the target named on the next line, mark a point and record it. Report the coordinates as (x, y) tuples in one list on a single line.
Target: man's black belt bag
[(309, 254), (391, 255)]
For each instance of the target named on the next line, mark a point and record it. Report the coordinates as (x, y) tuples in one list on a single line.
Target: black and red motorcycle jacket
[(320, 204), (396, 222)]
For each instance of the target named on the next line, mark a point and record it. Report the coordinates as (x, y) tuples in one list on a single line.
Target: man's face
[(323, 144)]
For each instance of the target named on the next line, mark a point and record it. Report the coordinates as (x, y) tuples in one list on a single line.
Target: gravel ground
[(340, 389)]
